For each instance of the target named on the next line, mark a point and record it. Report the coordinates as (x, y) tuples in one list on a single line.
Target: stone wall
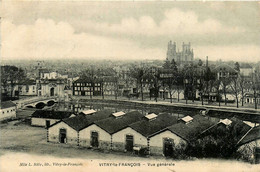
[(154, 150), (69, 140), (104, 145), (84, 142), (118, 146)]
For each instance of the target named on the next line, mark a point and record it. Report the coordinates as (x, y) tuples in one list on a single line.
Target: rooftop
[(193, 129), (51, 114), (82, 121), (113, 125), (252, 135), (148, 128), (7, 104)]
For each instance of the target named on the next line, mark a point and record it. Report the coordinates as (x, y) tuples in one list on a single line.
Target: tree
[(173, 65), (167, 64), (243, 84), (235, 88), (190, 82), (255, 86), (216, 86), (179, 84), (171, 81), (237, 67), (224, 87), (200, 63), (206, 83), (138, 74), (10, 75)]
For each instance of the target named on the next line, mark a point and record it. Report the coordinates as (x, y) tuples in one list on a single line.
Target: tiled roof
[(240, 128), (253, 135), (82, 121), (88, 80), (224, 67), (28, 82), (7, 104), (245, 65), (113, 125), (191, 130), (234, 125), (51, 114), (148, 128)]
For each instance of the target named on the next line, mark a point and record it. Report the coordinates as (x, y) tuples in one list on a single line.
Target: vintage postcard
[(130, 86)]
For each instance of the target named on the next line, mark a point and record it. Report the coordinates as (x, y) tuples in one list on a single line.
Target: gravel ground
[(21, 137)]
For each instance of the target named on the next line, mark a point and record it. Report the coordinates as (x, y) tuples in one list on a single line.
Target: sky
[(129, 30)]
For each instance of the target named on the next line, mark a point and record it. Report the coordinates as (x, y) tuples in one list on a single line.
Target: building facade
[(87, 87), (186, 55), (8, 110)]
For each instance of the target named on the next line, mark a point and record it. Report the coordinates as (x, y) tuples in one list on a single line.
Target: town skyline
[(222, 31)]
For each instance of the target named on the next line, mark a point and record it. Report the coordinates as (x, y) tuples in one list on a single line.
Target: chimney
[(207, 62)]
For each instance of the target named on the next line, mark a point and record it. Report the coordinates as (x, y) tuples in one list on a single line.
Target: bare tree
[(138, 74), (234, 84), (216, 86), (256, 86), (224, 84), (243, 84)]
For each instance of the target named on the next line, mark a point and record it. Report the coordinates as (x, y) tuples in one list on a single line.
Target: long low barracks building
[(120, 131)]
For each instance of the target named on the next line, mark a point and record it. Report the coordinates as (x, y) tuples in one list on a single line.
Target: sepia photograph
[(129, 86)]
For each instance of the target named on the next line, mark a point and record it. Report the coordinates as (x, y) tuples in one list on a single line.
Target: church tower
[(171, 51)]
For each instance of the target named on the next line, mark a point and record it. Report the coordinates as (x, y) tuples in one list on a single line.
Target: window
[(3, 112), (27, 88)]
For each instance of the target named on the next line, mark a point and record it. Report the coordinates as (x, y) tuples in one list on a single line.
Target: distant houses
[(7, 110)]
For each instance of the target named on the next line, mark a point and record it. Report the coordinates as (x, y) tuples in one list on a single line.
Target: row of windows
[(79, 93), (87, 84), (8, 111), (87, 89)]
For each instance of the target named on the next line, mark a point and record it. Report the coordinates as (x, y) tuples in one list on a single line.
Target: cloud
[(175, 21), (47, 39), (246, 53)]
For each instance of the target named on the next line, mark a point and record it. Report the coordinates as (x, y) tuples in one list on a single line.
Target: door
[(52, 91), (63, 136), (47, 123), (83, 93), (257, 155), (129, 143), (94, 139), (168, 147)]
